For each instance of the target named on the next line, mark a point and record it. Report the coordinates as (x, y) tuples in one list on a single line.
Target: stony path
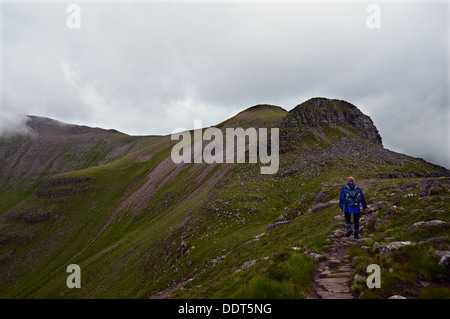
[(333, 276)]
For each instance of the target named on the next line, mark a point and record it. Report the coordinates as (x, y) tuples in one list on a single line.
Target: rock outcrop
[(431, 223), (319, 111), (388, 248)]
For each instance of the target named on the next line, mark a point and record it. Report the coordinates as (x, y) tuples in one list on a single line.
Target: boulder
[(388, 248), (339, 233), (435, 190), (431, 187), (417, 225), (396, 297), (435, 240), (444, 257), (322, 197), (321, 206)]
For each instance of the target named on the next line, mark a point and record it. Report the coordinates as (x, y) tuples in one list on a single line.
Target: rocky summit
[(140, 226), (336, 113)]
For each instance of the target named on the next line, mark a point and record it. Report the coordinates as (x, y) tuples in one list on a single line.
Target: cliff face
[(322, 111)]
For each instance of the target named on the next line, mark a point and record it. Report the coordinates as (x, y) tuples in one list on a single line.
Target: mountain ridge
[(142, 226)]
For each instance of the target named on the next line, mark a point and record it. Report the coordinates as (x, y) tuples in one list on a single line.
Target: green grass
[(140, 253), (405, 268)]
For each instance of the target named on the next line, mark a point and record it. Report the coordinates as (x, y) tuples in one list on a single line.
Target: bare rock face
[(319, 111)]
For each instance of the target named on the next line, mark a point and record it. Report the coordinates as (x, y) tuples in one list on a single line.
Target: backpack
[(353, 197)]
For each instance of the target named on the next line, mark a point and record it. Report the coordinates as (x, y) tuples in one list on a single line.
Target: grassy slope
[(137, 257), (409, 271)]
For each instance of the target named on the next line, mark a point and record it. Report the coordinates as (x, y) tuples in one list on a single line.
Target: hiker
[(351, 197)]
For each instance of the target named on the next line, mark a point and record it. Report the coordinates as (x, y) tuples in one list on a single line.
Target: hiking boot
[(349, 232), (356, 236)]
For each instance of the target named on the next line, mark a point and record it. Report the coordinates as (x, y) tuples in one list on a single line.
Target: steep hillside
[(141, 226), (54, 147)]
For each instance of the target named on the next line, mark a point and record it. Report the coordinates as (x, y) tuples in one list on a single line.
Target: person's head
[(351, 180)]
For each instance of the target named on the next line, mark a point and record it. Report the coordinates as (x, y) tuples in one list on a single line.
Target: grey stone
[(331, 295), (333, 263), (417, 225), (444, 257), (272, 226), (334, 285), (345, 268), (396, 297), (321, 197), (437, 240), (339, 233), (387, 249), (317, 256), (217, 260), (321, 206), (257, 237), (248, 264)]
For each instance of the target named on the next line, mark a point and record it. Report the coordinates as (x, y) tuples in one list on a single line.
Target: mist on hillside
[(14, 124)]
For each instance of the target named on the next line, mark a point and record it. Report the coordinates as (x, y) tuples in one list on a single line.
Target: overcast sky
[(148, 67)]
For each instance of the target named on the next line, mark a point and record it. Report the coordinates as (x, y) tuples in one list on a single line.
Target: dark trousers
[(355, 221)]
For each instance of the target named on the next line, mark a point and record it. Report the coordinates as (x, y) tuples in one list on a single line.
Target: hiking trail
[(334, 273)]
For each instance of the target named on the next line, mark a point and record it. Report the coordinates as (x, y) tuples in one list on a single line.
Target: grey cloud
[(149, 67), (13, 125)]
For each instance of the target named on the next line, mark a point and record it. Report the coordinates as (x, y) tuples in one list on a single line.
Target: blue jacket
[(343, 205)]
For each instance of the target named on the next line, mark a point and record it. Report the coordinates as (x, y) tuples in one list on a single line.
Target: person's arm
[(363, 200), (342, 200)]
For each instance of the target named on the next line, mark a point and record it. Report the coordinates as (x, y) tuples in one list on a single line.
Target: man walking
[(351, 198)]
